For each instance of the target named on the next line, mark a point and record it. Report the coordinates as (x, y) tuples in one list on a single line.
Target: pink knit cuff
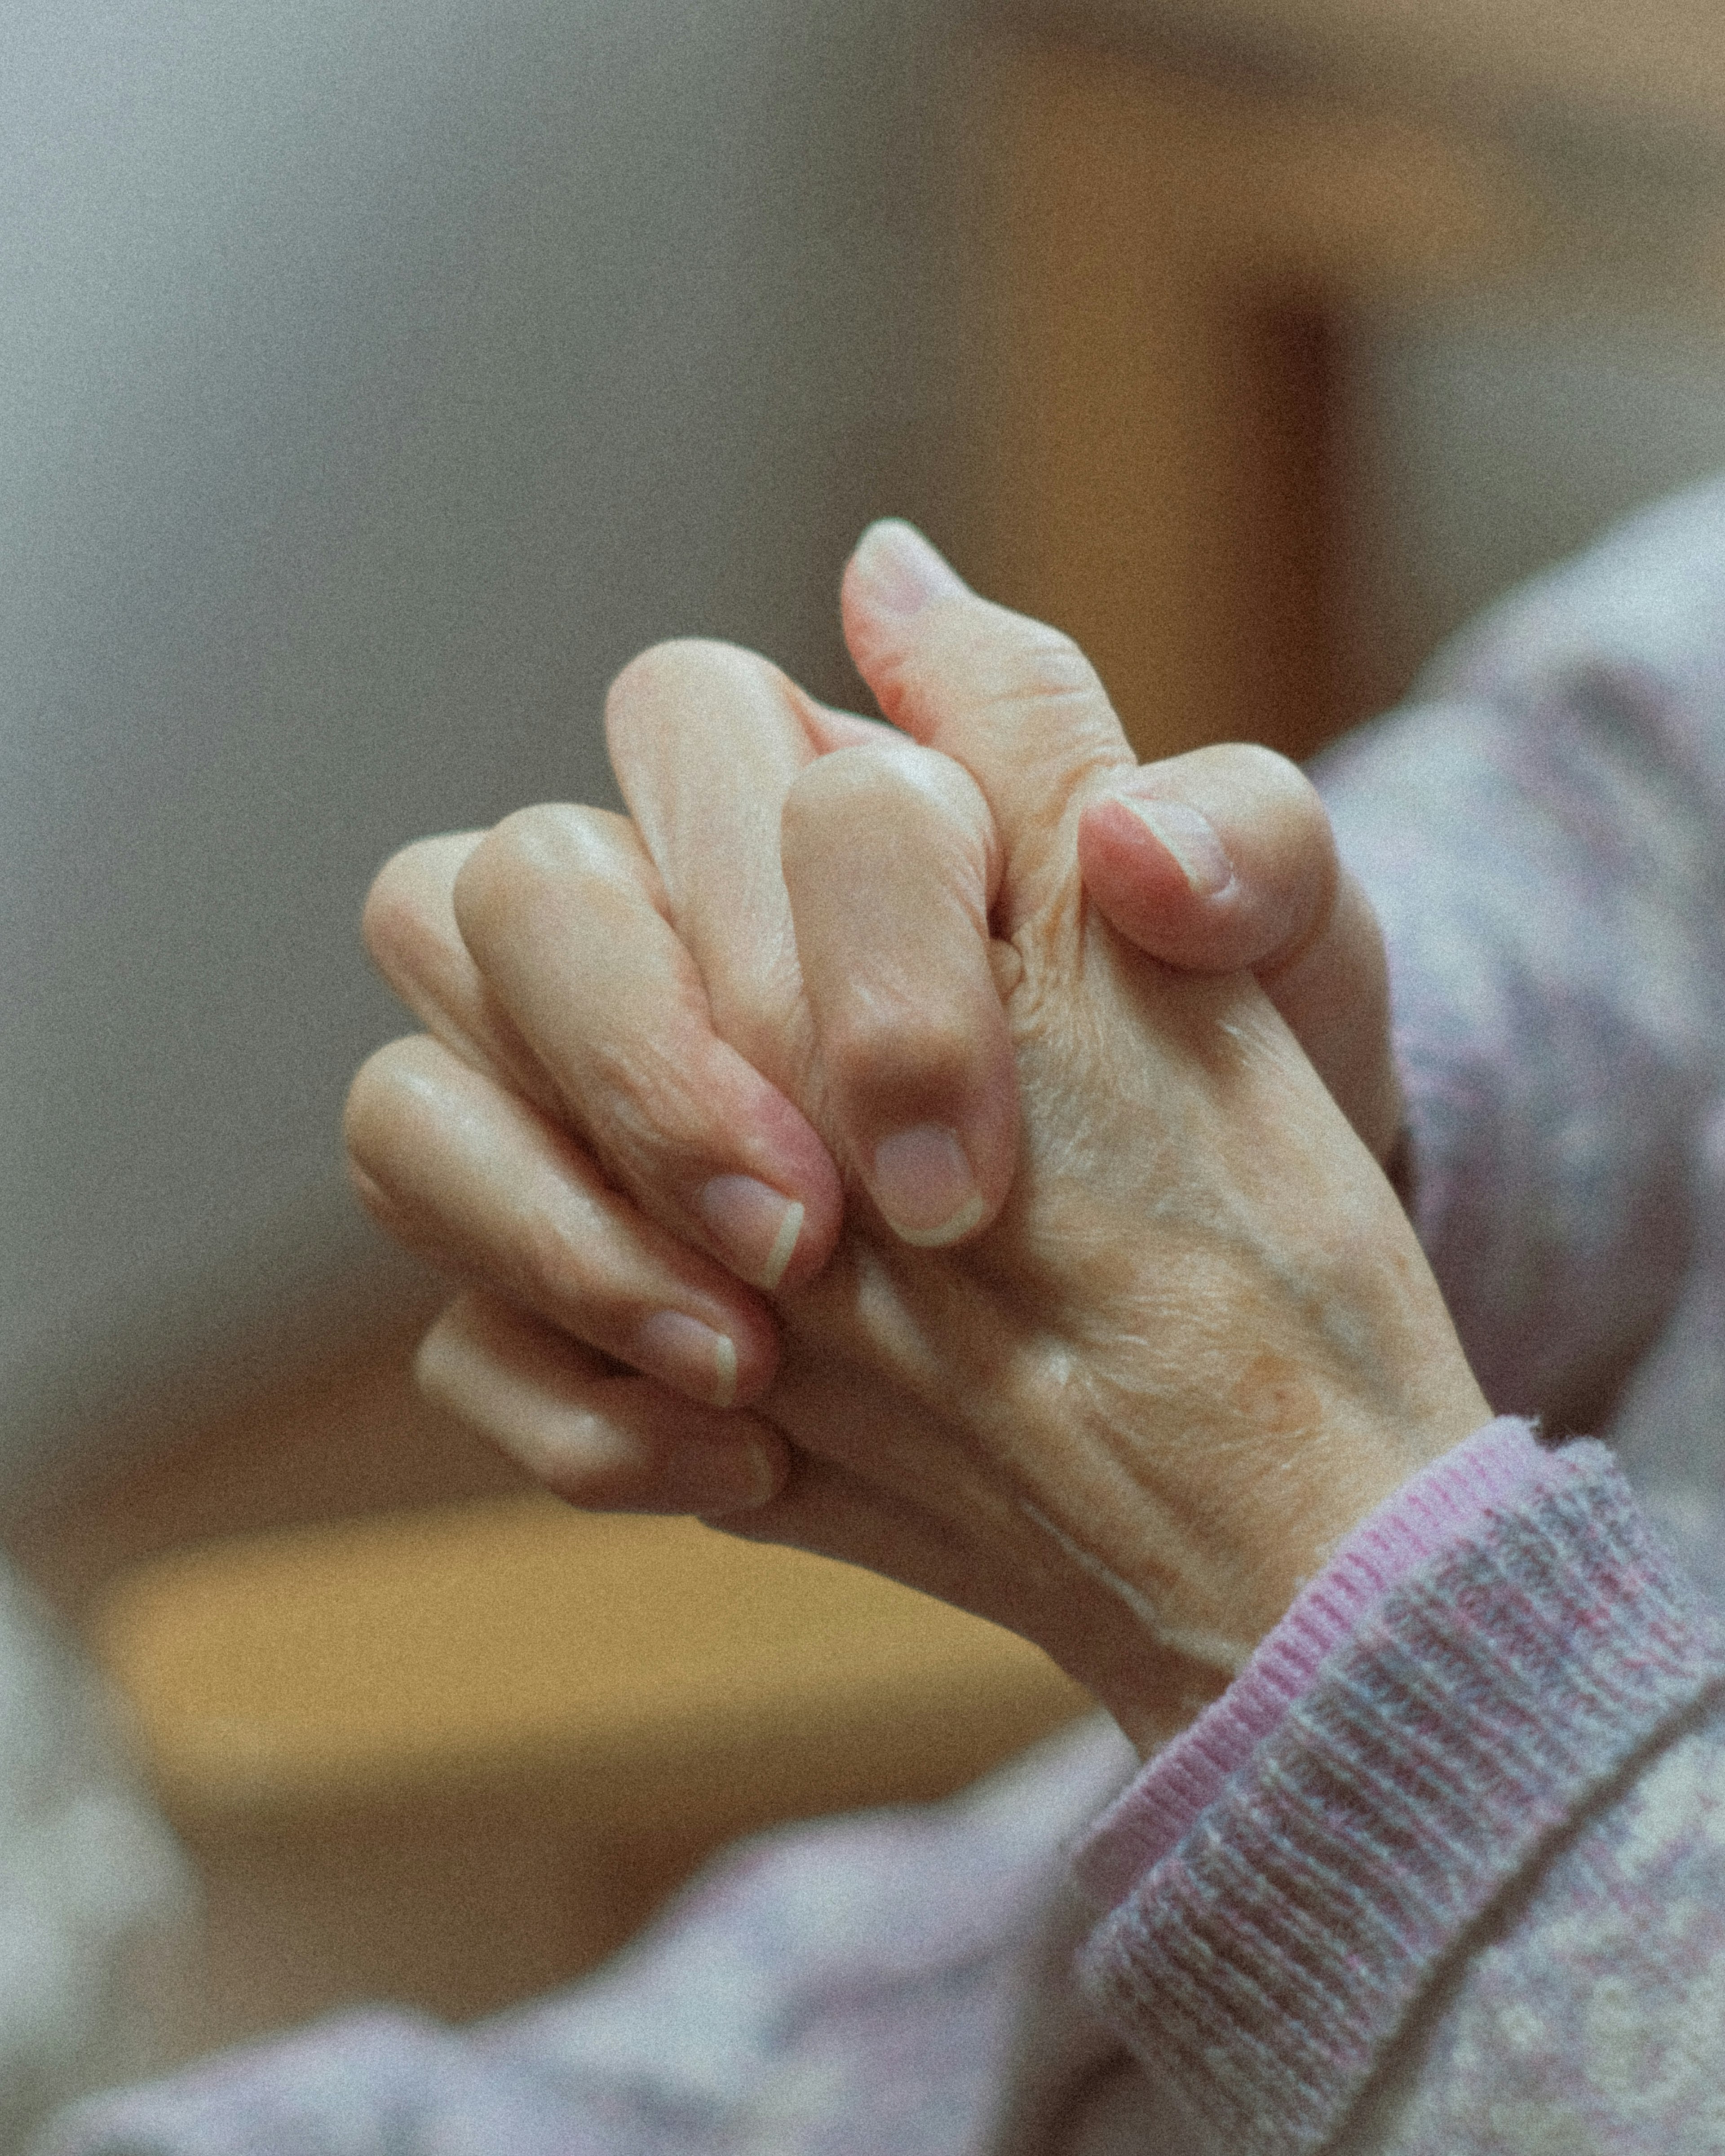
[(1499, 1463)]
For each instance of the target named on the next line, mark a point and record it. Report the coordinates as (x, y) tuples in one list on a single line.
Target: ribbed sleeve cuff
[(1264, 1963), (1495, 1464)]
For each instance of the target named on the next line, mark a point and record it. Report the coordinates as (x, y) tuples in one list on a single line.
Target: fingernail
[(1190, 838), (924, 1186), (758, 1226), (689, 1355), (729, 1478), (903, 572), (763, 1476)]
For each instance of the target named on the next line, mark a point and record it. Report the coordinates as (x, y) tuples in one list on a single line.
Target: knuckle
[(882, 1052), (1046, 656), (527, 842), (668, 671), (659, 1113), (371, 1101), (1039, 664), (888, 790), (892, 769), (385, 1103), (648, 1115), (553, 841), (848, 785)]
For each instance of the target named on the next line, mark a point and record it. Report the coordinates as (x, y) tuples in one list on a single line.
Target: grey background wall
[(1485, 442), (374, 379)]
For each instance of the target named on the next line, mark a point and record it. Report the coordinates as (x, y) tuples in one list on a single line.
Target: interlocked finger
[(706, 741), (478, 1179), (1014, 700), (892, 865), (410, 931), (561, 910), (606, 1441)]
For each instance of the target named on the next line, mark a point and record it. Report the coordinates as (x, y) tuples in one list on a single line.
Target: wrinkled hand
[(1214, 860), (1135, 1406)]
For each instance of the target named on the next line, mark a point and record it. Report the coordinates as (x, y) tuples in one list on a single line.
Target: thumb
[(1224, 859), (1012, 700)]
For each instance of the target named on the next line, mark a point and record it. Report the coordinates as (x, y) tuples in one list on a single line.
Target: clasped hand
[(820, 1158)]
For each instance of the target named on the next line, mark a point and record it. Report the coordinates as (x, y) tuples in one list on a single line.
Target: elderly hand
[(1216, 860), (1140, 1402)]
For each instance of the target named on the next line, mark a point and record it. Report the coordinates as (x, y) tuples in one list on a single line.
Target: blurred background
[(374, 381)]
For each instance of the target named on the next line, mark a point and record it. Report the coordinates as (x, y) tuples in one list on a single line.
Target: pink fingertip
[(900, 572)]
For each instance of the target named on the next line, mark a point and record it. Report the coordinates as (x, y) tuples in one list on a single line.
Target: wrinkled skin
[(1187, 1339)]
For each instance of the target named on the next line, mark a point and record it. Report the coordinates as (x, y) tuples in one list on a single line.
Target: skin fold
[(1098, 1316)]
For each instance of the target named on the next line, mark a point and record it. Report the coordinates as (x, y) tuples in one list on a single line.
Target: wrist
[(1498, 1465), (1289, 1521)]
